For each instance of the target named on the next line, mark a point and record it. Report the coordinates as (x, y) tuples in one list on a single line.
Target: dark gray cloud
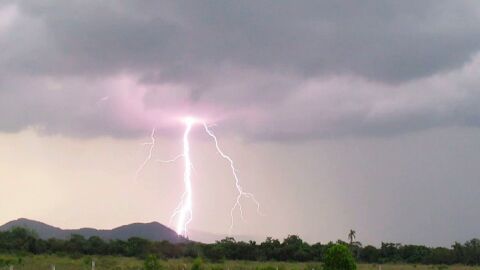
[(277, 69), (382, 40)]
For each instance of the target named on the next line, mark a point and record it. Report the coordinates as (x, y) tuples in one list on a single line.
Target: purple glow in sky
[(183, 212), (338, 114)]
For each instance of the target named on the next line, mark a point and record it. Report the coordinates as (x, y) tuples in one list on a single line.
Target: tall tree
[(351, 236)]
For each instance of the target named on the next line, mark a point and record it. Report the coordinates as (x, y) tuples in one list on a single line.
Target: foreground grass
[(40, 262)]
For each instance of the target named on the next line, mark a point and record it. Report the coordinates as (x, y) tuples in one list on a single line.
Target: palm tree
[(351, 236)]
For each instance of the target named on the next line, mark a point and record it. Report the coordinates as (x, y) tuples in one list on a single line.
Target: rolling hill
[(153, 231)]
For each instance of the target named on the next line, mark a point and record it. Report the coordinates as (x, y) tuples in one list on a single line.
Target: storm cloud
[(274, 69)]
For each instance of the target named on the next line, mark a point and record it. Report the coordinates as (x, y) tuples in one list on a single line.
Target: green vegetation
[(152, 263), (197, 264), (45, 262), (338, 257), (20, 244)]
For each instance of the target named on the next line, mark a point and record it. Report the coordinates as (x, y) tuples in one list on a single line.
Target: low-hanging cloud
[(274, 69)]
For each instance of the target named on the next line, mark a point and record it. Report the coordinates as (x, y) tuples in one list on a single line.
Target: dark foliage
[(152, 263), (293, 248), (339, 257)]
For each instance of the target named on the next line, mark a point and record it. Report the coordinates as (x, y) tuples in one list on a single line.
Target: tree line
[(22, 241)]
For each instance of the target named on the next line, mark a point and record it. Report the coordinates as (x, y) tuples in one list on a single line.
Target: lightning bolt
[(183, 212), (184, 209), (149, 156), (240, 191), (170, 160)]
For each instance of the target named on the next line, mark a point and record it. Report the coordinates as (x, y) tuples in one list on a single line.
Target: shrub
[(152, 263), (197, 264), (339, 257)]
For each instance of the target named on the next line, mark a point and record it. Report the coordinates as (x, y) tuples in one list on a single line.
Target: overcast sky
[(340, 115)]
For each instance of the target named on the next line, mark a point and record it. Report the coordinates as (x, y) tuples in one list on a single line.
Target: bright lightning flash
[(241, 193), (183, 212)]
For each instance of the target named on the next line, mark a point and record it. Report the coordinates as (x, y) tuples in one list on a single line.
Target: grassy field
[(122, 263)]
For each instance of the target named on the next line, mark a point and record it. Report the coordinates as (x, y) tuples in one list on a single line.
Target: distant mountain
[(153, 231), (43, 230)]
